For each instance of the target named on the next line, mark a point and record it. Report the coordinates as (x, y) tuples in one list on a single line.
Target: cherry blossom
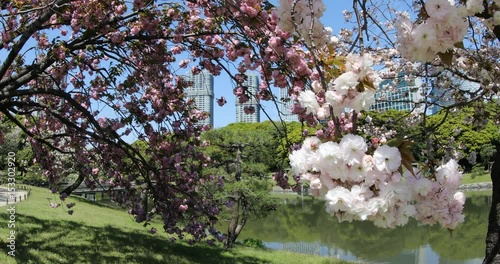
[(387, 158)]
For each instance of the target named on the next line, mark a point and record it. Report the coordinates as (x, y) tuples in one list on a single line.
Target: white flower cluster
[(445, 26), (360, 186), (474, 6), (307, 19), (438, 201), (343, 92)]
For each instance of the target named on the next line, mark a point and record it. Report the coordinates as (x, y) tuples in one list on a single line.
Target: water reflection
[(303, 226)]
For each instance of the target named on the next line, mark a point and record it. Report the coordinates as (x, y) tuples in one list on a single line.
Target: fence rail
[(22, 193)]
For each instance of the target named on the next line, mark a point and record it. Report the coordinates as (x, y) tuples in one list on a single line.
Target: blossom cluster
[(444, 27), (343, 92), (363, 184), (303, 17), (437, 201)]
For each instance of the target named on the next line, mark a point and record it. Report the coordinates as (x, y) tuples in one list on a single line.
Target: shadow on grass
[(51, 241)]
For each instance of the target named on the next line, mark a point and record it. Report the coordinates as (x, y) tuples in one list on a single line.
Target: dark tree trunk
[(493, 235), (238, 221), (231, 229), (239, 208)]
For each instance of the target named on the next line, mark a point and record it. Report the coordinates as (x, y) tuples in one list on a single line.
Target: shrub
[(253, 242), (477, 170)]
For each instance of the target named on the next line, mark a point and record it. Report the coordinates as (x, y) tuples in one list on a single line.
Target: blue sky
[(226, 114)]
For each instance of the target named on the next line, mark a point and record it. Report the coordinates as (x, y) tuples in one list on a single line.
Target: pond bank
[(480, 186)]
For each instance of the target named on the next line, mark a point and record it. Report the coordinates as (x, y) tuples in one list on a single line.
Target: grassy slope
[(99, 234), (467, 178)]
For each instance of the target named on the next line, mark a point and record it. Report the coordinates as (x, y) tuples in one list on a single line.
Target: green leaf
[(407, 158), (395, 142), (368, 84), (360, 87), (447, 57), (460, 45)]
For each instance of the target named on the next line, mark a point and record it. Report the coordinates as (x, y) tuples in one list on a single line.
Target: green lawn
[(96, 233), (468, 178)]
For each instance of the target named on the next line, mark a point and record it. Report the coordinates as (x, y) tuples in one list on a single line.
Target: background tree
[(459, 133), (241, 153), (261, 139), (487, 153), (14, 140), (456, 133), (11, 141)]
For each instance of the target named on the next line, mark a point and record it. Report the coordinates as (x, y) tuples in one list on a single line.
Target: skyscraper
[(405, 96), (285, 107), (202, 91), (252, 84), (443, 97)]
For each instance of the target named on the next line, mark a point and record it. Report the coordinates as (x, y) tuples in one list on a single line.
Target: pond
[(302, 225)]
